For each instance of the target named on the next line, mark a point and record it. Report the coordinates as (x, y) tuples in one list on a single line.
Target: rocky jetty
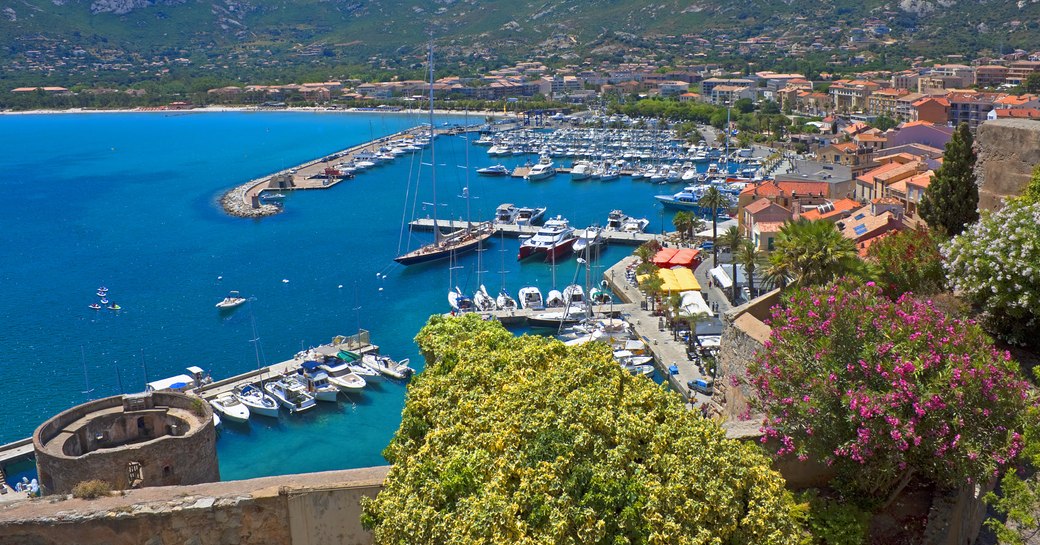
[(235, 204)]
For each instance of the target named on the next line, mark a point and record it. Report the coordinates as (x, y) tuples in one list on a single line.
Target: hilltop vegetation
[(159, 38)]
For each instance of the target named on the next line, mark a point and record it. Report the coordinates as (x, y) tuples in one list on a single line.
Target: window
[(134, 475)]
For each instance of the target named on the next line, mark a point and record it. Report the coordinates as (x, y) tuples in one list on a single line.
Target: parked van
[(706, 387)]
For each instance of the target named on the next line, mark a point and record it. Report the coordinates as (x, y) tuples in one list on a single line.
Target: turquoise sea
[(129, 201)]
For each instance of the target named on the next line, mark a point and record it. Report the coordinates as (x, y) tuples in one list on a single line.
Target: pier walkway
[(520, 315), (244, 200), (659, 340), (516, 231)]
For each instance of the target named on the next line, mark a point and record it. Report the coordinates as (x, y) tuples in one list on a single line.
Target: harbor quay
[(519, 231), (667, 351), (320, 173)]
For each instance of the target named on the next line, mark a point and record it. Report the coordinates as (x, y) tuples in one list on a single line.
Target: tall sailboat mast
[(433, 154)]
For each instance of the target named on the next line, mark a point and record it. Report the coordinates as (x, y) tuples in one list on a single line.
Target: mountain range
[(80, 35)]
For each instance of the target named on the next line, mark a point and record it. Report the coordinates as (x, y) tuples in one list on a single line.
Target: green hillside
[(224, 38)]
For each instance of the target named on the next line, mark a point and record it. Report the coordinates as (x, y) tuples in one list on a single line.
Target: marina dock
[(520, 315), (517, 231), (320, 173)]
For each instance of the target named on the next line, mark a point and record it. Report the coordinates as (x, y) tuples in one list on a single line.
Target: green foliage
[(744, 106), (524, 440), (714, 200), (748, 255), (951, 200), (732, 239), (1018, 503), (1032, 83), (835, 522), (883, 123), (811, 253), (908, 261), (1031, 194), (995, 266)]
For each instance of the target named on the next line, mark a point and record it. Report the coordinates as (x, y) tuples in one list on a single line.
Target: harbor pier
[(518, 231)]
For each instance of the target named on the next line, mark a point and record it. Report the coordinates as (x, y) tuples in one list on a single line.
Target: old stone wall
[(1008, 149), (311, 509), (743, 332)]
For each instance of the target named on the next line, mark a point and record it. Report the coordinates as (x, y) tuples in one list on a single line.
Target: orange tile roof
[(918, 123), (1023, 113), (769, 226), (939, 100), (921, 180), (840, 207), (868, 176), (759, 205), (773, 188), (847, 147)]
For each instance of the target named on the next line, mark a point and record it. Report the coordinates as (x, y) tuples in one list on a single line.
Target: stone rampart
[(310, 509), (1008, 150)]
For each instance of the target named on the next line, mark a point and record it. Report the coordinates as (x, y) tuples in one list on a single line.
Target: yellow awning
[(676, 280)]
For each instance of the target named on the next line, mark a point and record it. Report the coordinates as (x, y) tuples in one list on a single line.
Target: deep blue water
[(129, 201)]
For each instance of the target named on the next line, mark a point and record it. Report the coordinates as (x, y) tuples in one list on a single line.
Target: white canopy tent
[(693, 303), (722, 226), (721, 276)]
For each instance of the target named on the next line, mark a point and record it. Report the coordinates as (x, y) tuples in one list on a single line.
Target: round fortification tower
[(128, 441)]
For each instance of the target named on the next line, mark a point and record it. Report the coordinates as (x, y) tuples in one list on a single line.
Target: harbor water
[(130, 202)]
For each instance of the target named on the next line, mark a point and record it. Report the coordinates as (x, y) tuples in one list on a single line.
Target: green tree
[(1031, 194), (744, 106), (749, 257), (809, 253), (682, 222), (951, 200), (712, 201), (1032, 83), (507, 439), (908, 261), (732, 239), (883, 123), (651, 285)]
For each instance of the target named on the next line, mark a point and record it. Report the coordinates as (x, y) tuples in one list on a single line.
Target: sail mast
[(433, 154)]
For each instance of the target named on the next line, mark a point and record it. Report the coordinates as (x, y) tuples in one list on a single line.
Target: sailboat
[(456, 242)]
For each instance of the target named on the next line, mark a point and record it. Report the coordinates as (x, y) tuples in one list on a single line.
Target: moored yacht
[(588, 239), (290, 394), (541, 171), (531, 298), (257, 401), (230, 407), (506, 214), (554, 239), (529, 216), (342, 376), (493, 170), (386, 366)]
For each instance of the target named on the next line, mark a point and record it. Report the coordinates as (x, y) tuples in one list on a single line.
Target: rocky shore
[(234, 203)]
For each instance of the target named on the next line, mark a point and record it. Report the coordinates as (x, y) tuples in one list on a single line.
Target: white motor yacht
[(529, 216), (343, 376), (290, 394), (581, 171), (553, 240), (587, 240), (554, 299), (231, 301), (541, 171), (230, 407), (257, 401), (316, 381)]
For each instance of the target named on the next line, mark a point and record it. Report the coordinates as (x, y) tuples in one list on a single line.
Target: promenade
[(518, 231)]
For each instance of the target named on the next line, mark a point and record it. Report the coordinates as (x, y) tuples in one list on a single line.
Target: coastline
[(226, 109)]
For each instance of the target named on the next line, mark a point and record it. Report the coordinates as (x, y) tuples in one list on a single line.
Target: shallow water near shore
[(130, 201)]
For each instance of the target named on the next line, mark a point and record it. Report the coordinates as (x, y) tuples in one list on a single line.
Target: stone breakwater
[(235, 203)]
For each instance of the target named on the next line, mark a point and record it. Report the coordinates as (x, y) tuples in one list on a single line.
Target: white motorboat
[(554, 299), (494, 170), (553, 240), (505, 214), (504, 301), (581, 171), (230, 407), (343, 376), (574, 296), (529, 216), (231, 301), (587, 240), (353, 361), (483, 301), (290, 394), (541, 171), (387, 366), (257, 401), (531, 298), (634, 225), (316, 383), (557, 319), (195, 378)]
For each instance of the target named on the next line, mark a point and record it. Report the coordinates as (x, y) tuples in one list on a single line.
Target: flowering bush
[(995, 264), (908, 261), (887, 390)]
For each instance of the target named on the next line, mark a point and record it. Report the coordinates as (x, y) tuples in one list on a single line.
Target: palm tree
[(714, 200), (732, 239), (813, 253), (747, 254), (651, 285), (682, 221)]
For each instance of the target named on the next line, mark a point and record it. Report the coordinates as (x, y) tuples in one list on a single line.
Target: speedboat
[(529, 216), (257, 401), (102, 293), (231, 301), (531, 298), (634, 225), (574, 296), (493, 170), (95, 306), (290, 394), (506, 214), (342, 376), (504, 301), (104, 300), (353, 361), (315, 382), (114, 306), (230, 407), (555, 299), (543, 170), (554, 239), (272, 196), (599, 296), (482, 300), (587, 240), (387, 366)]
